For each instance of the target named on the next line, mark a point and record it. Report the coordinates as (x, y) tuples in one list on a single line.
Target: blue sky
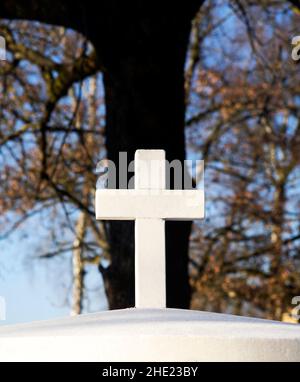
[(24, 282), (36, 289)]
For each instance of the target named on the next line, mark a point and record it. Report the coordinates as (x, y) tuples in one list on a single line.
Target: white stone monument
[(149, 204), (151, 332)]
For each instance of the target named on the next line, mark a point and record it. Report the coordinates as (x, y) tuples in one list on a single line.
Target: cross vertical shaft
[(150, 268), (150, 279)]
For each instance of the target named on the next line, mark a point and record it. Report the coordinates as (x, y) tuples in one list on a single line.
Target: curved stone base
[(151, 335)]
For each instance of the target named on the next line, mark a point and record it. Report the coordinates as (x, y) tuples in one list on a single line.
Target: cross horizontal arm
[(155, 204)]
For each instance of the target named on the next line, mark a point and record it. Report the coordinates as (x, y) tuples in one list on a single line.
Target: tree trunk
[(78, 265), (145, 109)]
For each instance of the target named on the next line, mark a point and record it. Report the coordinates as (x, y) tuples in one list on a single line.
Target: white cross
[(149, 204)]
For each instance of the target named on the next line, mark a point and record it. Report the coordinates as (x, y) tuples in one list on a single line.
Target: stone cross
[(150, 204)]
